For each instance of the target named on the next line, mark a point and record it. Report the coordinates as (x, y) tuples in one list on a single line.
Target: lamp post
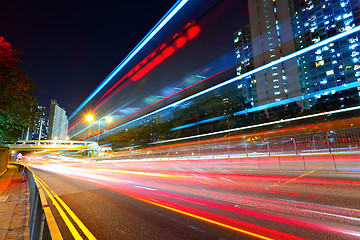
[(90, 118)]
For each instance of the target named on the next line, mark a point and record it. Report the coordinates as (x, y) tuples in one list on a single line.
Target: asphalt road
[(196, 200)]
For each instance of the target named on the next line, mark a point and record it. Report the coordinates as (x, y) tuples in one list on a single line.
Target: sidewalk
[(14, 205)]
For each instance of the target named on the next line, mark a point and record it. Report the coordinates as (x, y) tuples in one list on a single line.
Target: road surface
[(198, 199)]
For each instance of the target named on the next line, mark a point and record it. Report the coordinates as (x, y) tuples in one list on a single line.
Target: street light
[(108, 119), (90, 118)]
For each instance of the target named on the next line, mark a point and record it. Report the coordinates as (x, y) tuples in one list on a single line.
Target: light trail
[(163, 21), (232, 199), (151, 61), (260, 125), (274, 104), (266, 66), (113, 125)]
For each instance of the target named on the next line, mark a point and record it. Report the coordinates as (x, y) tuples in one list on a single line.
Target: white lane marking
[(151, 189)]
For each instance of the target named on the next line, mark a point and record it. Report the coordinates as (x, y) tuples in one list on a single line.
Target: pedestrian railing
[(331, 150)]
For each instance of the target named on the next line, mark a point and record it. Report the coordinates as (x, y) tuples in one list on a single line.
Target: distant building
[(41, 127), (58, 122)]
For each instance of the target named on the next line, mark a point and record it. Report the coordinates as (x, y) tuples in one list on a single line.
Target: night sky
[(69, 47)]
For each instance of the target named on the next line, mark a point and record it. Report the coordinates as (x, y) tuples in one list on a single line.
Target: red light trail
[(256, 203)]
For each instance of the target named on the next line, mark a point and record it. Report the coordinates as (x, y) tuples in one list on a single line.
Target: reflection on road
[(262, 204)]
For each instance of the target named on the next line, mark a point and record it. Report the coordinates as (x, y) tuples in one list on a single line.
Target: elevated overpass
[(38, 145)]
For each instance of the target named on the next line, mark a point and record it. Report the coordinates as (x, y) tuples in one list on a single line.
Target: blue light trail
[(165, 19), (274, 104), (109, 115), (271, 64), (260, 125)]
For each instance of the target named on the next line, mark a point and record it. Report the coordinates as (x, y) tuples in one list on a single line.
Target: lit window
[(276, 86), (353, 40), (324, 81), (353, 46), (354, 54), (319, 63), (277, 92), (331, 72)]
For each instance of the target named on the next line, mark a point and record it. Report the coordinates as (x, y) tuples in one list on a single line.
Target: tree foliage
[(18, 105)]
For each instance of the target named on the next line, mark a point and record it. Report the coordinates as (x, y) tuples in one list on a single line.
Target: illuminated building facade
[(277, 29), (58, 122), (269, 37), (245, 63), (41, 127), (335, 64)]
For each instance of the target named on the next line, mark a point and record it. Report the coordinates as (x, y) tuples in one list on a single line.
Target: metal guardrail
[(332, 142), (42, 224)]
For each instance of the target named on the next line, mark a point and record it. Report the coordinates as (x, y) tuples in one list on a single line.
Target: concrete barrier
[(4, 155)]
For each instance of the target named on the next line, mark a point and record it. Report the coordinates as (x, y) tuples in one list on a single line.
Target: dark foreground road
[(195, 200)]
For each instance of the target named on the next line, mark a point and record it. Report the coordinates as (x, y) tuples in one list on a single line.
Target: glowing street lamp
[(108, 119), (89, 118)]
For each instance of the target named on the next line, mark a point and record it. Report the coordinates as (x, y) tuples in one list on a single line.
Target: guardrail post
[(296, 152), (246, 150), (328, 143)]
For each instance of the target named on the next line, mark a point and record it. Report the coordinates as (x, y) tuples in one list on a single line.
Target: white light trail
[(165, 19)]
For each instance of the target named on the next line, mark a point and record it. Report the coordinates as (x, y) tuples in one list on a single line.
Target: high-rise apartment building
[(337, 63), (277, 29), (40, 130), (272, 38), (268, 37), (245, 63), (58, 122)]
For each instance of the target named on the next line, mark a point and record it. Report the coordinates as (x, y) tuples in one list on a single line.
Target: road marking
[(67, 221), (293, 179), (139, 173), (85, 230), (205, 219), (147, 188)]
